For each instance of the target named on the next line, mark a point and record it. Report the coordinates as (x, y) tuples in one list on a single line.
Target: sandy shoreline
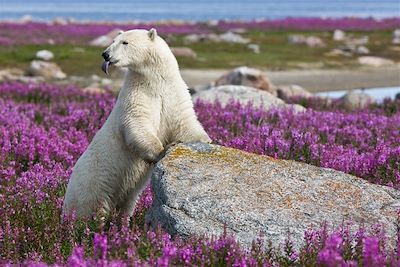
[(313, 80)]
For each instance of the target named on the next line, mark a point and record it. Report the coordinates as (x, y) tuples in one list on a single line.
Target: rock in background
[(353, 100), (244, 95), (247, 77), (48, 70), (200, 189)]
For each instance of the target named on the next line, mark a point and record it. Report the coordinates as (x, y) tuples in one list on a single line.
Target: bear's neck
[(156, 78)]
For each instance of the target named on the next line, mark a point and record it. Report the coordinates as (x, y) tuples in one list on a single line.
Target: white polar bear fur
[(153, 109)]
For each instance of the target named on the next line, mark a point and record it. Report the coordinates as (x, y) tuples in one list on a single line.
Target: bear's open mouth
[(106, 64)]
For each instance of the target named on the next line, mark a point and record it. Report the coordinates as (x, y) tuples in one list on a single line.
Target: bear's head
[(135, 49)]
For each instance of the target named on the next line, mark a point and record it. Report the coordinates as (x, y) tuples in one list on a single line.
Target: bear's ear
[(120, 32), (152, 34)]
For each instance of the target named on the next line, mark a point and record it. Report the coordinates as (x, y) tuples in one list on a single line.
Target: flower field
[(16, 33), (45, 128)]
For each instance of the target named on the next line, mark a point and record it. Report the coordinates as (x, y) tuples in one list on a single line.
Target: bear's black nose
[(106, 56)]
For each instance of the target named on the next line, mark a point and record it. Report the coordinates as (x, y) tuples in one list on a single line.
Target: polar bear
[(153, 110)]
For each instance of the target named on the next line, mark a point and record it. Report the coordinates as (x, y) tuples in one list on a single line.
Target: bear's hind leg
[(127, 205)]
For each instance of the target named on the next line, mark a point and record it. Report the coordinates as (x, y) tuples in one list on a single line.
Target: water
[(200, 10), (376, 93)]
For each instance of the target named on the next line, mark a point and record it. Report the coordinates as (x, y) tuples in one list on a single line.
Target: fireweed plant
[(45, 128), (17, 33)]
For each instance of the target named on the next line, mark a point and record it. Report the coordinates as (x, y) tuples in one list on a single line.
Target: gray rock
[(244, 95), (44, 55), (247, 77), (356, 99), (310, 41), (231, 37), (194, 38), (183, 52), (296, 39), (288, 91), (48, 70), (201, 188), (313, 41)]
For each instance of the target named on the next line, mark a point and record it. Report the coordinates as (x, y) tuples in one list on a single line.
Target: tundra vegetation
[(45, 128)]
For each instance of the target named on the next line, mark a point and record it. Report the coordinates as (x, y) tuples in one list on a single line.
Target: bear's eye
[(124, 42)]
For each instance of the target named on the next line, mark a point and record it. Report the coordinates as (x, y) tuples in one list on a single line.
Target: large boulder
[(244, 95), (48, 70), (201, 189), (247, 77), (354, 99)]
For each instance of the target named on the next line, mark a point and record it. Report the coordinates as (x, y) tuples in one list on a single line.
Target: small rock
[(60, 21), (105, 40), (362, 50), (356, 99), (296, 39), (194, 38), (247, 77), (48, 70), (375, 61), (288, 91), (313, 41), (203, 189), (339, 35), (10, 74), (231, 37), (244, 95), (254, 47), (44, 55), (183, 52), (310, 41)]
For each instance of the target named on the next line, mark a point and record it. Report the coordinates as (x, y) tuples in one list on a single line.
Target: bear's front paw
[(152, 155), (166, 148)]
